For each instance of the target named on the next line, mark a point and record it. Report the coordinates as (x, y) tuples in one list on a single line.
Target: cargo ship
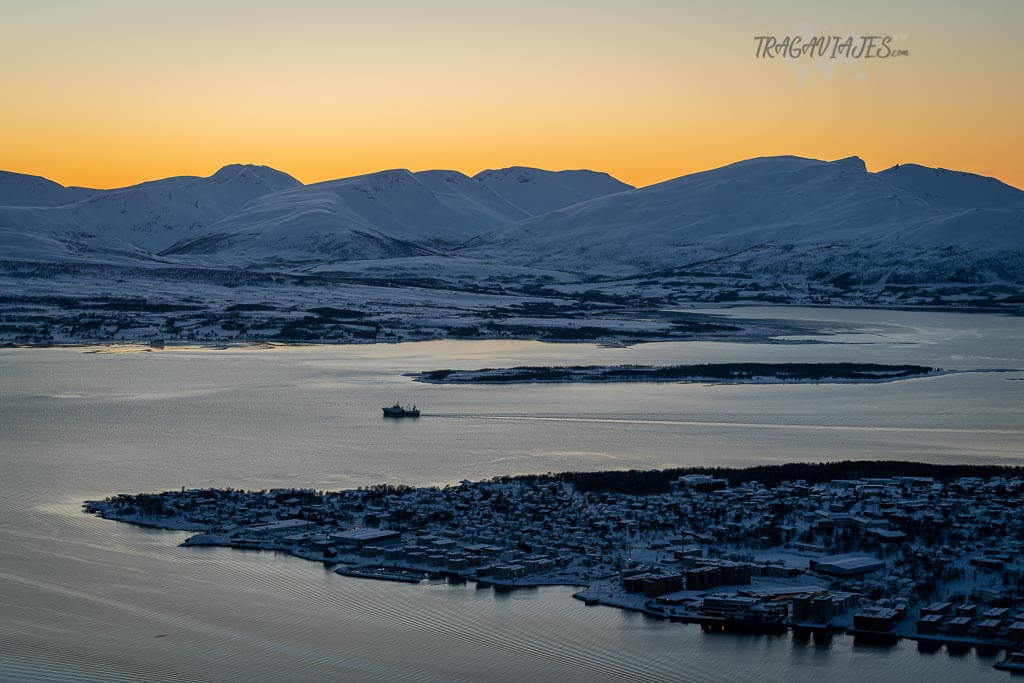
[(399, 410)]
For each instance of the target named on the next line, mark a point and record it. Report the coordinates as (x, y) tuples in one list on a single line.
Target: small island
[(725, 373), (878, 549)]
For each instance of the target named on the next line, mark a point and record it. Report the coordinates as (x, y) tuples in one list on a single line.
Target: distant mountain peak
[(920, 169), (530, 172), (518, 171), (394, 176), (13, 175), (447, 175), (788, 161), (537, 191), (953, 189), (21, 189), (853, 163), (273, 179)]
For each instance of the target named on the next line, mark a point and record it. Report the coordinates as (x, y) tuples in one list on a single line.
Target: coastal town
[(881, 558)]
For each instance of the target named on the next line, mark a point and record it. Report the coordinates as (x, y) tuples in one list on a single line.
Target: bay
[(87, 598)]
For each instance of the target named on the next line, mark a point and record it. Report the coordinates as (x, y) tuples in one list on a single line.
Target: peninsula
[(877, 549)]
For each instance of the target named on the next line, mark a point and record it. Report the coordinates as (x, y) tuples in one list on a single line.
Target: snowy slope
[(775, 206), (947, 189), (387, 214), (148, 217), (394, 213), (537, 191), (767, 219), (244, 215), (18, 189)]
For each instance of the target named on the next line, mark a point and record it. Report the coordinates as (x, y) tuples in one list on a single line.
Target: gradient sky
[(106, 94)]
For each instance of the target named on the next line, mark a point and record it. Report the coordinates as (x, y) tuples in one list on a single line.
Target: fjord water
[(82, 597)]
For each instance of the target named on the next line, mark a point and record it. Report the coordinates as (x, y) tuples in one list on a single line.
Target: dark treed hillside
[(647, 482)]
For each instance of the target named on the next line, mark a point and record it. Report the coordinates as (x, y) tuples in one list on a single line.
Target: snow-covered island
[(754, 373), (877, 549)]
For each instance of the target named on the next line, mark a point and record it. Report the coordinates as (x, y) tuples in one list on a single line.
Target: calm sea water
[(86, 598)]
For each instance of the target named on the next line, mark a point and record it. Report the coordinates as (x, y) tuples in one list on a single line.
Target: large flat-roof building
[(847, 565), (876, 619), (361, 537)]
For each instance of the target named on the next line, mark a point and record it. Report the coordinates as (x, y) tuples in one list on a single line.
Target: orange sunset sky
[(111, 93)]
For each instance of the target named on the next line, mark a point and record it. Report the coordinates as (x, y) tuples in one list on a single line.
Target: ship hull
[(391, 412)]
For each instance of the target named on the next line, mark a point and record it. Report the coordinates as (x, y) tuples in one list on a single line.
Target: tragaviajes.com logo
[(828, 47)]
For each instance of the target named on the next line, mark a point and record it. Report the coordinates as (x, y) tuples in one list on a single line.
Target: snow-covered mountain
[(781, 215), (245, 215), (387, 214), (394, 213), (18, 189), (945, 189), (137, 220), (771, 220), (536, 191)]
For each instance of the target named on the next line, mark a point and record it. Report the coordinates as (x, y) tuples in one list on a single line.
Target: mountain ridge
[(394, 213), (783, 201), (775, 217)]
